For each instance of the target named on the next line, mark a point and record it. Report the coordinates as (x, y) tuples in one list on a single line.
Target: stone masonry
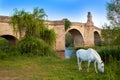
[(84, 34)]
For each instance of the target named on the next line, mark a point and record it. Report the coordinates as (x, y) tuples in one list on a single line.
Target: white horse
[(90, 55)]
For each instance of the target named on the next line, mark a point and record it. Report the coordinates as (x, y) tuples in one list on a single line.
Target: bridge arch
[(77, 36), (97, 38), (11, 39)]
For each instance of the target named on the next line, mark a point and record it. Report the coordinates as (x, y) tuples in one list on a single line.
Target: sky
[(74, 10)]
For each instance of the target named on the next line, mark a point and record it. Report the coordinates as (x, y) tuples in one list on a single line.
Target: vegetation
[(35, 46), (3, 42), (68, 36), (67, 23), (47, 68), (109, 53), (111, 33), (28, 22), (37, 62), (49, 36), (38, 38), (111, 36), (69, 41), (35, 67), (113, 13)]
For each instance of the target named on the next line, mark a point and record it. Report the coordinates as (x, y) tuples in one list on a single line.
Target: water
[(68, 53)]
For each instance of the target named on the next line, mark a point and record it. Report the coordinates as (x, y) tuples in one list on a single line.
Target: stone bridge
[(84, 34)]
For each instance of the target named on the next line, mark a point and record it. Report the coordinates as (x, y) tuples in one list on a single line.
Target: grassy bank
[(46, 68)]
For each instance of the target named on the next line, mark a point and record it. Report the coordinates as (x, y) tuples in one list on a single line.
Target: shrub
[(35, 46), (3, 55), (109, 51)]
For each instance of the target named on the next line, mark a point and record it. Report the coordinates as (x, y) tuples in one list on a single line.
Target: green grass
[(47, 68)]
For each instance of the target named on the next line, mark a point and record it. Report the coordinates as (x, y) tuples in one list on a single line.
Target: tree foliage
[(107, 35), (28, 22), (67, 23), (113, 13), (38, 38), (49, 36), (111, 32), (69, 41)]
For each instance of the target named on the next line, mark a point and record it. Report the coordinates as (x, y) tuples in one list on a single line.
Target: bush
[(109, 52), (3, 55), (35, 46), (9, 52)]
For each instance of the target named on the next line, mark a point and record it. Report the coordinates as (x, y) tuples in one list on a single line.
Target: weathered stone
[(84, 34)]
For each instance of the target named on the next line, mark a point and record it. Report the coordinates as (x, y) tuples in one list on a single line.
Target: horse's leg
[(79, 64), (95, 67), (80, 68), (88, 65)]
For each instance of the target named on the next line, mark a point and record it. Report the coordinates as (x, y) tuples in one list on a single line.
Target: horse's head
[(101, 67)]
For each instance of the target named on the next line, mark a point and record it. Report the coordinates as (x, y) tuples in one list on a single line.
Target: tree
[(67, 23), (69, 41), (28, 22), (113, 13), (49, 36), (107, 35), (33, 24), (111, 33)]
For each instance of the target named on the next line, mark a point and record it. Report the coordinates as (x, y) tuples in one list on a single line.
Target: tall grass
[(109, 52)]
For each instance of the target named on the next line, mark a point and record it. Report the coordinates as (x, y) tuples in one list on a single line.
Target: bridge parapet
[(77, 24), (4, 19), (56, 23)]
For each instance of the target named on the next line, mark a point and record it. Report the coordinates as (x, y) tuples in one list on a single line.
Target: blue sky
[(74, 10)]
